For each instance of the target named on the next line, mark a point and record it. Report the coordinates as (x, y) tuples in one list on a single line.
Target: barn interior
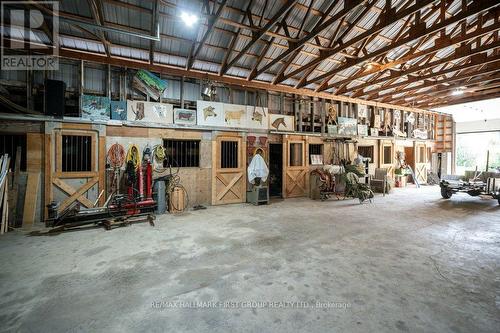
[(224, 165)]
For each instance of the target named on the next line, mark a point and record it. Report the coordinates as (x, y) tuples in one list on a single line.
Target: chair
[(380, 181)]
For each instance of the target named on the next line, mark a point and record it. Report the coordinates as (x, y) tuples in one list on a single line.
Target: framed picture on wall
[(185, 117), (362, 111), (119, 110), (257, 117), (347, 126), (376, 121), (235, 115), (209, 113), (279, 122), (363, 130), (151, 112), (96, 107)]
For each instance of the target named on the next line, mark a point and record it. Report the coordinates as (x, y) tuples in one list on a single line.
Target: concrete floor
[(408, 262)]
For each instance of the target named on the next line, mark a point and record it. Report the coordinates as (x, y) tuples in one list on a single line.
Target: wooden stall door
[(387, 157), (228, 170), (295, 167), (74, 153), (421, 162)]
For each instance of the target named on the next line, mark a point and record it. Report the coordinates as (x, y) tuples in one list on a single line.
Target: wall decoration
[(332, 114), (150, 112), (396, 115), (96, 107), (119, 110), (209, 113), (279, 122), (184, 117), (235, 115), (362, 111), (257, 117), (363, 130), (420, 134), (410, 118), (332, 129), (347, 126), (149, 84), (373, 131), (376, 121)]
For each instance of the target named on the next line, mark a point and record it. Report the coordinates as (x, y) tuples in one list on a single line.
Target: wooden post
[(323, 115), (182, 92)]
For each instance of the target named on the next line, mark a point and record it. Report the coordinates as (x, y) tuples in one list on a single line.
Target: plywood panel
[(31, 198), (34, 152)]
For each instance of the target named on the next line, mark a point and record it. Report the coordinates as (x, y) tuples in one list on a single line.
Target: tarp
[(257, 168)]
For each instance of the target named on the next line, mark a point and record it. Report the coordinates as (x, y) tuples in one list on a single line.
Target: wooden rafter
[(420, 32), (491, 65), (387, 20), (258, 35), (414, 54), (96, 9), (319, 27), (212, 21)]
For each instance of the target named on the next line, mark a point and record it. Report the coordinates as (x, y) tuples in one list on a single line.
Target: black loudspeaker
[(54, 98)]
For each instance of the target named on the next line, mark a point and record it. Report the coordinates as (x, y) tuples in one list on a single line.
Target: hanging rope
[(116, 155), (133, 157)]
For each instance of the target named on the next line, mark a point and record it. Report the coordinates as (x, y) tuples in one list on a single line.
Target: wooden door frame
[(389, 166), (216, 167), (55, 177), (420, 165), (304, 168)]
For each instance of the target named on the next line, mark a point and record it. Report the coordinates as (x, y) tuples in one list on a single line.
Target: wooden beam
[(314, 32), (97, 12), (258, 35), (385, 22), (211, 22), (473, 63), (176, 71), (417, 54), (441, 26)]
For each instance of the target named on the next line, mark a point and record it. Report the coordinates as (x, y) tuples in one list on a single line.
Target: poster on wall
[(257, 117), (235, 115), (279, 122), (119, 110), (362, 111), (376, 121), (209, 113), (150, 112), (95, 107), (363, 130), (185, 117), (347, 126), (420, 134), (332, 129)]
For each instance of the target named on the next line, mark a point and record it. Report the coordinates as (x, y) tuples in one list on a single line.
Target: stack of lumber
[(4, 205)]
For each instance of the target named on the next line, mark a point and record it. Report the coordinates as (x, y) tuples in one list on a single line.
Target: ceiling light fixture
[(189, 19)]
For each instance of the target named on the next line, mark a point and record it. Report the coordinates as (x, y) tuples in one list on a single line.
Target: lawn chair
[(380, 182)]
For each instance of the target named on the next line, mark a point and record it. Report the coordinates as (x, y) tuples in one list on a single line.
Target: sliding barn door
[(387, 158), (421, 162), (74, 165), (228, 170), (295, 166)]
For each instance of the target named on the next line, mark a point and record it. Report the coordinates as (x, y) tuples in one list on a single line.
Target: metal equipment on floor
[(136, 205)]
